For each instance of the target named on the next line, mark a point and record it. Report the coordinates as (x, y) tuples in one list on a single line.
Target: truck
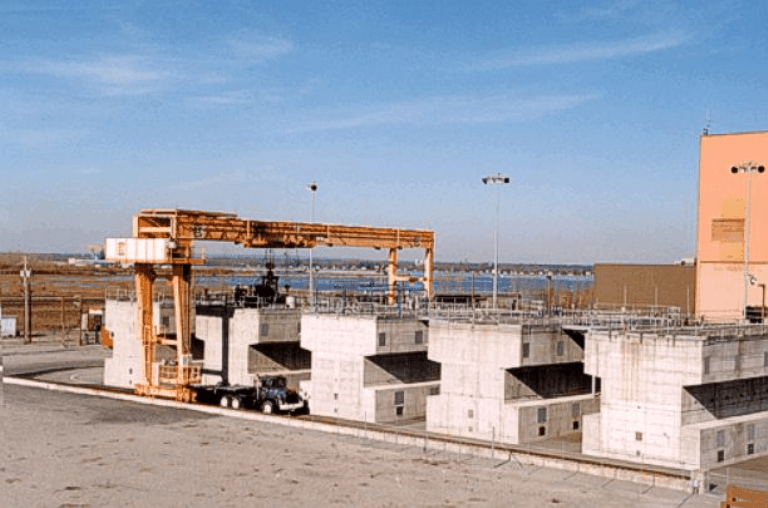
[(269, 395)]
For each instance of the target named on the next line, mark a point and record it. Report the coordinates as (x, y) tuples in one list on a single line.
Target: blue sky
[(396, 108)]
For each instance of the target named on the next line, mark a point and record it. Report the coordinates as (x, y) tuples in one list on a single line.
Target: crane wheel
[(235, 403), (224, 401), (267, 407)]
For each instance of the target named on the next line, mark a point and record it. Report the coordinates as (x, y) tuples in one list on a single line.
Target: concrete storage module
[(690, 398), (369, 366), (509, 382)]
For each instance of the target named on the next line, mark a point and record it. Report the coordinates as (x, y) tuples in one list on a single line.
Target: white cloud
[(581, 52), (254, 48), (452, 110), (599, 12), (113, 75), (39, 137)]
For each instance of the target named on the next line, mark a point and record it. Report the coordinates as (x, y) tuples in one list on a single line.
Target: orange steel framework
[(183, 227)]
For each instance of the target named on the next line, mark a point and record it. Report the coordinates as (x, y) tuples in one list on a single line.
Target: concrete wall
[(486, 379), (414, 399), (723, 443), (359, 335), (259, 341), (125, 367), (655, 389), (355, 371), (561, 415)]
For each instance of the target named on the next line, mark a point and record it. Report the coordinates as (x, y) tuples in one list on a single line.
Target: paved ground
[(69, 450)]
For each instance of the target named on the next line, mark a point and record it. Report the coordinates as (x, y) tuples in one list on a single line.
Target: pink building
[(732, 225)]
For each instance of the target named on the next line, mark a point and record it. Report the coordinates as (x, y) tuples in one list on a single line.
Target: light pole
[(749, 168), (312, 187), (496, 180)]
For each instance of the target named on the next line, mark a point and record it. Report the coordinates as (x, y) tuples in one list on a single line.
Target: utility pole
[(497, 180), (25, 275), (312, 187)]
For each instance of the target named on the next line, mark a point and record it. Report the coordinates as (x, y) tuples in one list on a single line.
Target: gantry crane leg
[(144, 279), (392, 277)]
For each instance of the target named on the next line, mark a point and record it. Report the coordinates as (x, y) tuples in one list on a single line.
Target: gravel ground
[(65, 450)]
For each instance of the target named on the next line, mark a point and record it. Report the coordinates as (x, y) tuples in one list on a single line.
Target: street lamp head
[(496, 180), (312, 187), (748, 167)]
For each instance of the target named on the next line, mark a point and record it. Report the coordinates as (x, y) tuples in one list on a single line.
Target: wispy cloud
[(602, 12), (452, 110), (250, 48), (581, 52), (39, 137), (112, 75)]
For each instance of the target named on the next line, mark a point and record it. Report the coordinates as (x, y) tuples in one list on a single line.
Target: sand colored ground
[(69, 450)]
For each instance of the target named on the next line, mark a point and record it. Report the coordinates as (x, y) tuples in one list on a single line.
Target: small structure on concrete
[(7, 325), (508, 379), (124, 368), (369, 363), (691, 398)]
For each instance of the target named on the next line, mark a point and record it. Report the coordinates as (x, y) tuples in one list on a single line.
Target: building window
[(264, 329), (720, 438), (720, 455), (335, 396), (560, 348), (542, 431), (541, 417), (706, 365), (298, 327), (526, 349), (638, 436), (750, 448), (470, 414), (576, 425), (399, 398), (576, 410), (751, 432), (166, 321), (735, 363), (382, 339), (399, 410), (419, 337), (435, 390), (765, 359)]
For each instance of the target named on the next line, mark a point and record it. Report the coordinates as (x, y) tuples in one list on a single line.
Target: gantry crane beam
[(185, 226), (181, 228)]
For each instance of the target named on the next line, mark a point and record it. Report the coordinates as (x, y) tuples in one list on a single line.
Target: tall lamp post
[(312, 187), (749, 168), (497, 181)]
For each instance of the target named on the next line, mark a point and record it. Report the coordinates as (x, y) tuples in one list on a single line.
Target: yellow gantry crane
[(167, 236)]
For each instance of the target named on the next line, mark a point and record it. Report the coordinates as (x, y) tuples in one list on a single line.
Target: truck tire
[(224, 401), (267, 407), (235, 403)]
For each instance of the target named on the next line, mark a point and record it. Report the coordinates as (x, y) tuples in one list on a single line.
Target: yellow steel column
[(144, 278), (429, 272), (182, 307), (392, 277)]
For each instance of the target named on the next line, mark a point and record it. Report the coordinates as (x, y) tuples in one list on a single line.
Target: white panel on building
[(137, 250)]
